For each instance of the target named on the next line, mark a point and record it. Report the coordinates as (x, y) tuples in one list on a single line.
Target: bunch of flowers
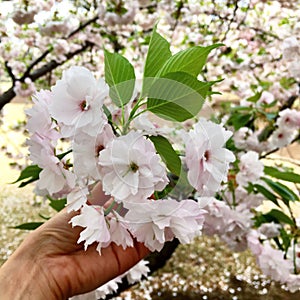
[(82, 133), (159, 183), (258, 209)]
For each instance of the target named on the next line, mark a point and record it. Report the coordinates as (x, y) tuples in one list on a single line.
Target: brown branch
[(33, 64), (7, 96), (43, 55), (82, 26), (10, 72), (232, 19)]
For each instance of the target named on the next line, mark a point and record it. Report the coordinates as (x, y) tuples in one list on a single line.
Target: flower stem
[(110, 208)]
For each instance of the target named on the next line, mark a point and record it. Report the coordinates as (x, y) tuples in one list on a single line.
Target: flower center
[(98, 148), (134, 167), (206, 155), (84, 105)]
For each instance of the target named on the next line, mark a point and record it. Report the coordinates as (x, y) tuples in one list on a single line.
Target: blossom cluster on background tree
[(197, 175)]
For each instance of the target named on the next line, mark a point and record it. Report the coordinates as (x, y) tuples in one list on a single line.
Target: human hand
[(49, 264)]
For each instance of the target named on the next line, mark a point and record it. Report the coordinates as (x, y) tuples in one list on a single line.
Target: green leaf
[(286, 239), (287, 176), (190, 61), (265, 133), (119, 75), (29, 226), (269, 195), (274, 215), (31, 173), (280, 216), (239, 120), (261, 219), (283, 191), (107, 112), (44, 217), (178, 96), (58, 204), (167, 153), (62, 155), (254, 98), (158, 53)]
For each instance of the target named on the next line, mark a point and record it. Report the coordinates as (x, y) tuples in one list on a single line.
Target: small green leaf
[(62, 155), (31, 173), (283, 191), (254, 98), (58, 204), (44, 217), (286, 239), (269, 195), (189, 61), (261, 219), (265, 133), (238, 120), (178, 96), (287, 176), (167, 153), (280, 216), (119, 75), (107, 112), (274, 215), (28, 226), (158, 53)]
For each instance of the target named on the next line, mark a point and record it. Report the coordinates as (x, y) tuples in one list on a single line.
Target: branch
[(10, 72), (33, 64), (82, 26), (236, 7), (43, 55), (7, 96), (54, 64)]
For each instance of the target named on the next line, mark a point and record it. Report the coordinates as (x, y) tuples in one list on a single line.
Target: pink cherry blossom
[(130, 168), (77, 101), (251, 168), (39, 119), (272, 263), (137, 272), (86, 151), (55, 177), (96, 229), (281, 137), (206, 158), (119, 232), (24, 89), (293, 283), (21, 16), (254, 243), (156, 221), (77, 198), (269, 230), (289, 119)]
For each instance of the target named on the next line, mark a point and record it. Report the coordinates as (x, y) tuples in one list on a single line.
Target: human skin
[(49, 264)]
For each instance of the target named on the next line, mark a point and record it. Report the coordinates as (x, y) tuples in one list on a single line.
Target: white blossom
[(130, 168), (206, 158)]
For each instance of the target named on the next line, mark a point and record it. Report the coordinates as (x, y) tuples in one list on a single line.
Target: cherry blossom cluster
[(40, 30), (77, 145), (240, 214), (128, 167)]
